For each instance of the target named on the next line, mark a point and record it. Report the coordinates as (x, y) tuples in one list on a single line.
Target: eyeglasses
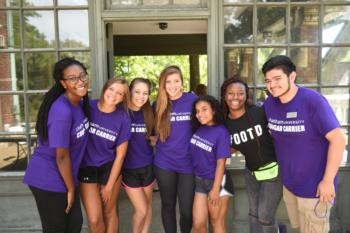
[(74, 80), (321, 209)]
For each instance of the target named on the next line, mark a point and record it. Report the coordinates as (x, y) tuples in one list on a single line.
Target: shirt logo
[(292, 115)]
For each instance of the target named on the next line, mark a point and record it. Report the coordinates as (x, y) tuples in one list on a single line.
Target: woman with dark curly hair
[(210, 146)]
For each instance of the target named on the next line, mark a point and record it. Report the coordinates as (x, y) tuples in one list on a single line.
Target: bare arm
[(233, 150), (115, 172), (65, 168), (213, 195), (325, 189)]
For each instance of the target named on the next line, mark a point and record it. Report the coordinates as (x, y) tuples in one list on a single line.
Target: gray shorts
[(204, 186)]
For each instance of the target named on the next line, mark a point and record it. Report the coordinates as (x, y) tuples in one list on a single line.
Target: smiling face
[(114, 94), (173, 86), (139, 95), (279, 84), (74, 91), (204, 113), (236, 98)]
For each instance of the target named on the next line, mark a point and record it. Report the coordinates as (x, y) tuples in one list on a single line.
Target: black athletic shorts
[(138, 177), (97, 175), (204, 186)]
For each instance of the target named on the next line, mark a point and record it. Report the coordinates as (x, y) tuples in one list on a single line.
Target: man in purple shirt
[(309, 145)]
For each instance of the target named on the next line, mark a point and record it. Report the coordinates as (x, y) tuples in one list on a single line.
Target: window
[(315, 34), (34, 34)]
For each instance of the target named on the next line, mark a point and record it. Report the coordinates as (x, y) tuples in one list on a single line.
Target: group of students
[(90, 148)]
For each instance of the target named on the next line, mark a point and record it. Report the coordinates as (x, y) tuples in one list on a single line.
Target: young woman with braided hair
[(62, 125)]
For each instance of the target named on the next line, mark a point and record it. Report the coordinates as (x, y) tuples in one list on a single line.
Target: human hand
[(106, 193), (70, 200), (153, 140), (325, 191), (214, 198)]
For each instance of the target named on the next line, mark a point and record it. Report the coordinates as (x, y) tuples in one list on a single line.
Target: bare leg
[(218, 214), (200, 213), (110, 210), (90, 194)]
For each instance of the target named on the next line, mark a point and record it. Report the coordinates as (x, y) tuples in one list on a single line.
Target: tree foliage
[(150, 67)]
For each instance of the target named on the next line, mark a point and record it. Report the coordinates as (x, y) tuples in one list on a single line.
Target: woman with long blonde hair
[(172, 163), (100, 172)]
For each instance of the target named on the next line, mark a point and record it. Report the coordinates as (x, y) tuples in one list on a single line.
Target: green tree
[(150, 67)]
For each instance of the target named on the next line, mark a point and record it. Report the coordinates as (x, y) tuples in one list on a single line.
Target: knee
[(96, 223), (187, 215), (168, 203), (217, 221), (110, 213), (141, 213), (199, 225)]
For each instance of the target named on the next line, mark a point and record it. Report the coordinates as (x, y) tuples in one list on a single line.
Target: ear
[(293, 76), (63, 84)]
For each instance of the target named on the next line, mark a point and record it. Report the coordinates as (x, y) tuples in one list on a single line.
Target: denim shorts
[(97, 175), (204, 186)]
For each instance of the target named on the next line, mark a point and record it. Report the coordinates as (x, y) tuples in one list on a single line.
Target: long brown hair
[(122, 81), (146, 108), (164, 105)]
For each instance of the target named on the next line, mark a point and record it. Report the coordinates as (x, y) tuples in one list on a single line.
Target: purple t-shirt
[(298, 129), (106, 132), (67, 128), (139, 152), (174, 154), (209, 144)]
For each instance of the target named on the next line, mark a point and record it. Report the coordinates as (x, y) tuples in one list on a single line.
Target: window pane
[(336, 1), (271, 25), (238, 24), (271, 0), (73, 2), (10, 3), (233, 1), (11, 72), (304, 24), (38, 34), (12, 113), (187, 2), (124, 2), (13, 153), (38, 3), (155, 2), (239, 61), (338, 98), (9, 29), (83, 57), (336, 24), (73, 28), (39, 66), (265, 54), (260, 96), (34, 102), (33, 143), (336, 66), (306, 61)]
